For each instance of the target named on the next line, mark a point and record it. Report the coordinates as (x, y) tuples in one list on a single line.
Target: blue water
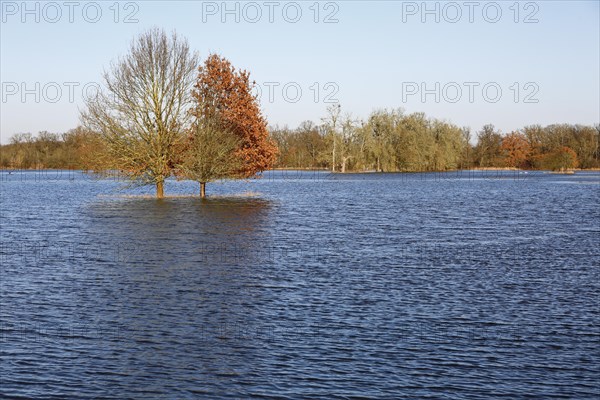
[(465, 285)]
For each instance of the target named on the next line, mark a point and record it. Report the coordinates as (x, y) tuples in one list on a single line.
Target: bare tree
[(143, 110), (331, 121)]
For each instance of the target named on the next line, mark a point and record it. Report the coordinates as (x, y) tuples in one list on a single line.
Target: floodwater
[(465, 285)]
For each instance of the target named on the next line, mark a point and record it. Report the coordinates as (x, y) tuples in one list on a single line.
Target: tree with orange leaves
[(224, 94), (516, 150)]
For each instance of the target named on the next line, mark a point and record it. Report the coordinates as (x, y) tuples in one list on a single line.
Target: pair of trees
[(161, 114)]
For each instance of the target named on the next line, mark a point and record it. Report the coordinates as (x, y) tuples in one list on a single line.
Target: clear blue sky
[(377, 54)]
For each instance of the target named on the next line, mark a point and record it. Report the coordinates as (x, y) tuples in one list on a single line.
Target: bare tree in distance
[(331, 122)]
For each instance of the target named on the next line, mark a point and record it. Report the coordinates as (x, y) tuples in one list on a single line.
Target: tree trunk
[(333, 157), (203, 190), (344, 161), (160, 191)]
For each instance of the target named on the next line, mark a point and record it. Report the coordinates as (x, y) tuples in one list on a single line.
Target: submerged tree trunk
[(203, 190), (160, 191)]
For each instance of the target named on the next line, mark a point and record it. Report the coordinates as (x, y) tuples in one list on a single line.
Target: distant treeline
[(388, 141), (74, 149)]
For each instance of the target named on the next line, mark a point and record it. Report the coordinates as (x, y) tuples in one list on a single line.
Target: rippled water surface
[(302, 285)]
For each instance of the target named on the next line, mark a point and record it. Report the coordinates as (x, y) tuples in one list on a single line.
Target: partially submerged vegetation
[(415, 143), (161, 114), (155, 118)]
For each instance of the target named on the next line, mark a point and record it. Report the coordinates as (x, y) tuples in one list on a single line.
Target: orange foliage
[(224, 94), (516, 150)]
